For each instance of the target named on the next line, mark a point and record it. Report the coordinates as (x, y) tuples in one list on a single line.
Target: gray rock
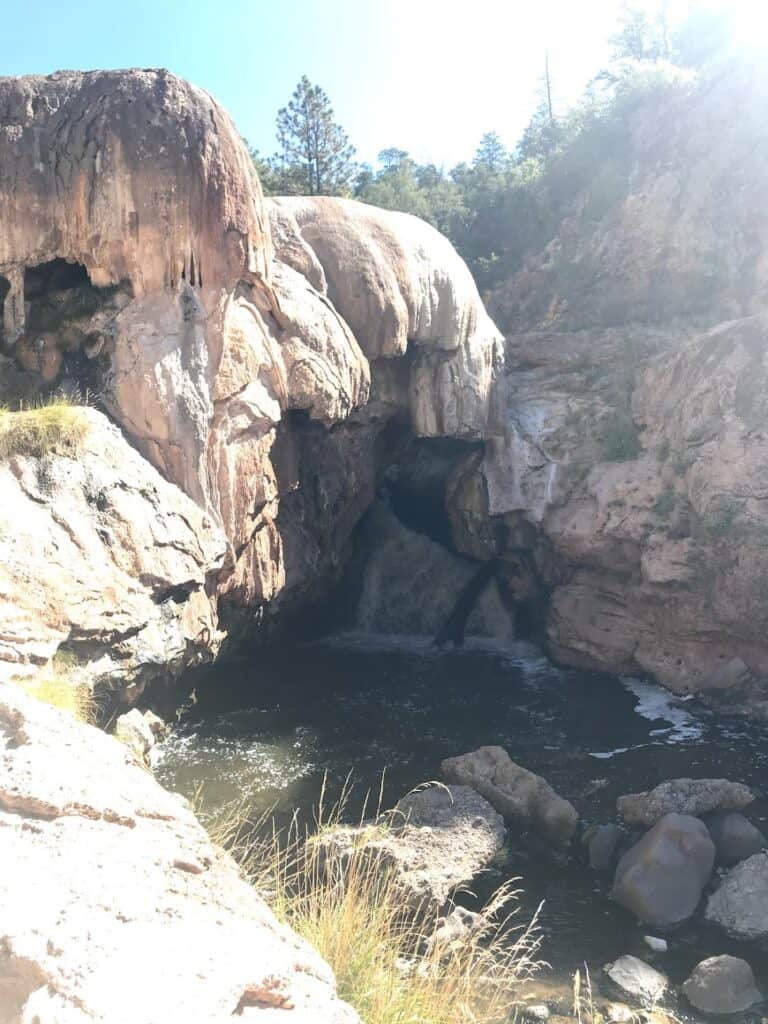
[(722, 984), (637, 980), (455, 928), (735, 837), (437, 840), (662, 877), (740, 903), (133, 730), (538, 1011), (603, 845), (656, 944), (516, 793), (683, 796)]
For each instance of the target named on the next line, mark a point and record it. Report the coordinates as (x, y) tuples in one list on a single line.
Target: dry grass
[(56, 426), (352, 911), (64, 692)]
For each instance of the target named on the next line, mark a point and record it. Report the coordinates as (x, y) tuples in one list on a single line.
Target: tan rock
[(122, 873)]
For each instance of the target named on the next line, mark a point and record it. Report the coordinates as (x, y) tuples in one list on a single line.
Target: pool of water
[(273, 728)]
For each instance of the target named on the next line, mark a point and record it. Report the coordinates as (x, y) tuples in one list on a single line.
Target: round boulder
[(722, 984), (661, 878), (735, 838)]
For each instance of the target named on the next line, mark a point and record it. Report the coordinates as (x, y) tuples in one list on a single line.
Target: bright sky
[(428, 76)]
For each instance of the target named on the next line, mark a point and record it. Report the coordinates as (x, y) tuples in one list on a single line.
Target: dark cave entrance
[(5, 287)]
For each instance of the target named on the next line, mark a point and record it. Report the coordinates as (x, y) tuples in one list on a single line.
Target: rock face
[(122, 873), (627, 457), (517, 794), (683, 796), (722, 984), (438, 840), (104, 559), (740, 903), (233, 340), (661, 878), (735, 837), (637, 980)]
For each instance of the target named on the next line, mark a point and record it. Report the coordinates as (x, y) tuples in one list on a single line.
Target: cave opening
[(5, 287)]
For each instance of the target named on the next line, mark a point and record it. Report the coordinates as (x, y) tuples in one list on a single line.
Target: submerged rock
[(661, 878), (683, 796), (518, 794), (722, 984), (437, 840), (603, 845), (740, 903), (637, 980), (104, 872), (735, 837)]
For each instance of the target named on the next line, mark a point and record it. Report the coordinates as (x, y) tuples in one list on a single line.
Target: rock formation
[(116, 906), (627, 457), (252, 352)]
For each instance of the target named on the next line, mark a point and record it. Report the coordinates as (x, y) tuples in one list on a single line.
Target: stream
[(274, 727)]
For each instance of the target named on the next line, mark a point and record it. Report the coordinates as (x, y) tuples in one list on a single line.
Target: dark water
[(272, 728)]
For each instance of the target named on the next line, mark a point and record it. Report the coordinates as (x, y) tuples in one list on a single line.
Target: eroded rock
[(123, 874), (740, 903), (518, 794), (637, 980), (683, 796), (661, 878)]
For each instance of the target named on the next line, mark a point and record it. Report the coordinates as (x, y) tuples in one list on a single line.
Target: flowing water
[(272, 728)]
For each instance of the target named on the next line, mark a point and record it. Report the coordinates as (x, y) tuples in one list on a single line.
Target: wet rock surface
[(735, 837), (521, 796), (661, 878), (722, 984)]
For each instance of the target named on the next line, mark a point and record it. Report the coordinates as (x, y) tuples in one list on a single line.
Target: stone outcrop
[(437, 840), (627, 456), (518, 794), (252, 351), (740, 903), (103, 559), (104, 871), (683, 796), (661, 878)]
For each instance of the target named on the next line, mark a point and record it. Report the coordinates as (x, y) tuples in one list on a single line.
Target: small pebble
[(537, 1012), (658, 945)]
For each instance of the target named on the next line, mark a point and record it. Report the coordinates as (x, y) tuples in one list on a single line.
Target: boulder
[(735, 837), (683, 796), (453, 929), (637, 980), (103, 869), (134, 731), (722, 984), (603, 846), (661, 878), (740, 903), (436, 840), (518, 794)]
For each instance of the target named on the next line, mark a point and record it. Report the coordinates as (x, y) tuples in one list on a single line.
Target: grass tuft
[(56, 426), (351, 909), (63, 692)]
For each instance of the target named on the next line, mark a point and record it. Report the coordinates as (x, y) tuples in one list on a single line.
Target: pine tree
[(315, 156)]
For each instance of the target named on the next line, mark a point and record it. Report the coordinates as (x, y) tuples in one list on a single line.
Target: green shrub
[(56, 426), (619, 436)]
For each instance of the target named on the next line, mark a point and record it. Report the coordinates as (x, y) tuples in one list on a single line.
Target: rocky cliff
[(252, 354), (627, 457)]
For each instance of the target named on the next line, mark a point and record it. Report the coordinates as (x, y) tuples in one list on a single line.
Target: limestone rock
[(740, 903), (439, 839), (637, 980), (661, 878), (683, 796), (516, 793), (735, 837), (722, 984), (123, 874), (101, 554)]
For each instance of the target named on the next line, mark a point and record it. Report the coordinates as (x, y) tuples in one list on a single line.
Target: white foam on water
[(658, 705)]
